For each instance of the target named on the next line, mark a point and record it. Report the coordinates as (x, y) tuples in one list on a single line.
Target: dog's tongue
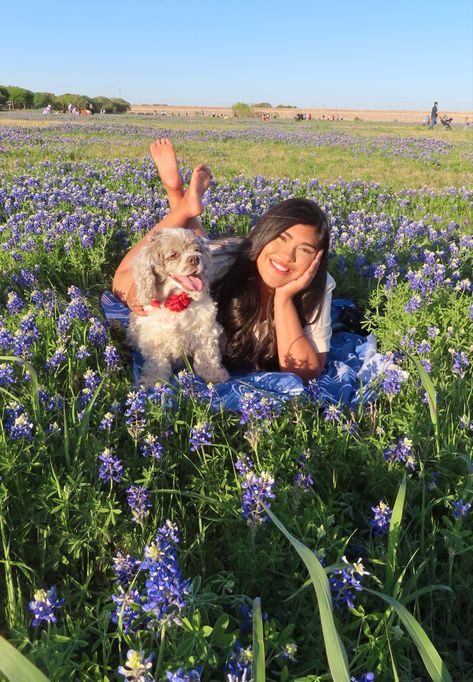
[(189, 282)]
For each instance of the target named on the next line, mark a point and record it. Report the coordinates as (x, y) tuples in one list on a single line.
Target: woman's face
[(288, 256)]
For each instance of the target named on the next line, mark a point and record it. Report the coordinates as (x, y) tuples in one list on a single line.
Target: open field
[(368, 115), (144, 507)]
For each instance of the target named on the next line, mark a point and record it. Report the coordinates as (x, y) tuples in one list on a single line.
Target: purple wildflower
[(150, 447), (111, 468), (460, 510), (125, 568), (345, 582), (112, 358), (460, 363), (43, 606), (182, 675), (17, 422), (257, 489), (201, 435), (400, 453), (382, 518), (137, 667), (139, 503)]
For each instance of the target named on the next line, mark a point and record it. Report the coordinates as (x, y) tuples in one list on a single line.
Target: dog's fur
[(164, 337)]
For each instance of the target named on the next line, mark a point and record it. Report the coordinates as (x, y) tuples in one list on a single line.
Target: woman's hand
[(133, 304), (289, 290)]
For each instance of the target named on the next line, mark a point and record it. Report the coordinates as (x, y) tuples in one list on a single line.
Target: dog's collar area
[(175, 302)]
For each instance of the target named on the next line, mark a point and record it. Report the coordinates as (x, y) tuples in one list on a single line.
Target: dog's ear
[(147, 273)]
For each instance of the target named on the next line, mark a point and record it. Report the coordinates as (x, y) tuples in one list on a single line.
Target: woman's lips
[(279, 267)]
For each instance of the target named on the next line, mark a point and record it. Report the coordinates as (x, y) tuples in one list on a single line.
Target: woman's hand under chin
[(289, 290)]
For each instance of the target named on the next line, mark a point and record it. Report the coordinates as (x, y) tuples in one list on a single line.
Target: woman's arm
[(296, 352)]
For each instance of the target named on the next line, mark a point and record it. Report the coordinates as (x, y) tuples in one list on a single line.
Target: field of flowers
[(145, 535)]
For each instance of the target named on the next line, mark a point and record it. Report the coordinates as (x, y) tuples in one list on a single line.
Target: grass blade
[(16, 667), (394, 531), (336, 654), (433, 663), (429, 390), (258, 671)]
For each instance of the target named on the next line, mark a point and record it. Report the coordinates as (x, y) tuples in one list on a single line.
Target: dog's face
[(176, 260)]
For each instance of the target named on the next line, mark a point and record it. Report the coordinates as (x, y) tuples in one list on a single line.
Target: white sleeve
[(320, 331)]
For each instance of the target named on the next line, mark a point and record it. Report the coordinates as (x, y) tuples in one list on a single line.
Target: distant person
[(433, 116)]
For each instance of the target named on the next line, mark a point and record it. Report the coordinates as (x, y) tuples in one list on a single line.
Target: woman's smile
[(288, 256)]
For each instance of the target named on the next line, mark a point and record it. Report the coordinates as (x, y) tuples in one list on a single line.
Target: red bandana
[(174, 302)]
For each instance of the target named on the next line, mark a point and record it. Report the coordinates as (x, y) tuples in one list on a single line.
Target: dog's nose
[(193, 260)]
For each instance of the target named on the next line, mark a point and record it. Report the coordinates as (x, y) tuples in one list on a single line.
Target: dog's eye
[(174, 255)]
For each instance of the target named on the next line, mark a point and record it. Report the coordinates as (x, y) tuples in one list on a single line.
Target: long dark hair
[(237, 292)]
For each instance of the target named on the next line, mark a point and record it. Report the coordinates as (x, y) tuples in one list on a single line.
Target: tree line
[(21, 98)]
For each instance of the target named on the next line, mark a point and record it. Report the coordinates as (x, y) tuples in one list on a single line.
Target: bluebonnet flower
[(107, 421), (126, 609), (332, 413), (201, 434), (289, 651), (91, 379), (400, 453), (15, 303), (460, 510), (111, 468), (424, 347), (58, 358), (135, 405), (382, 518), (413, 304), (112, 358), (465, 423), (189, 384), (366, 677), (82, 352), (433, 332), (6, 374), (460, 363), (255, 407), (257, 489), (137, 667), (313, 391), (17, 422), (150, 447), (182, 675), (44, 605), (139, 503), (97, 334), (125, 568), (238, 665), (302, 478), (166, 589), (345, 582)]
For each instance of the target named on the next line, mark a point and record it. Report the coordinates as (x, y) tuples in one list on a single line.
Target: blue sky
[(310, 53)]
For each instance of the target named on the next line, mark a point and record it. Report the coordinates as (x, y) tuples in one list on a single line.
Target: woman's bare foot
[(164, 157), (199, 183)]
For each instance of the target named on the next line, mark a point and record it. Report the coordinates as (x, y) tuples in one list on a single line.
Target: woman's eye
[(282, 237)]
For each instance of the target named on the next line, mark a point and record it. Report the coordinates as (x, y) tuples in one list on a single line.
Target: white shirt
[(319, 332)]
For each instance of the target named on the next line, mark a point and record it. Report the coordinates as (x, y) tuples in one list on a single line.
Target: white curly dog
[(171, 278)]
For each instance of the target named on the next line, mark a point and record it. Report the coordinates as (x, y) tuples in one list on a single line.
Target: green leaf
[(434, 665), (258, 667), (336, 654), (429, 389), (394, 531), (16, 666)]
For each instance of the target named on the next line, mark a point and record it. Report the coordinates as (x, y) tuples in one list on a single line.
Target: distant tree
[(21, 98), (263, 105), (120, 105), (79, 101), (103, 104), (42, 99), (4, 96), (242, 110), (286, 106)]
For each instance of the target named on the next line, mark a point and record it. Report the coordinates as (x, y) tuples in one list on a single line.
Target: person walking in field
[(272, 287), (433, 116)]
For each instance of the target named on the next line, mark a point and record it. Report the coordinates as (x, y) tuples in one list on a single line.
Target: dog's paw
[(215, 375)]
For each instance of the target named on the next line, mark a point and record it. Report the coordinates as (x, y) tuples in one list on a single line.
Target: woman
[(273, 292)]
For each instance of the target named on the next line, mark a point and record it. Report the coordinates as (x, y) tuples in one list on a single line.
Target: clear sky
[(310, 53)]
